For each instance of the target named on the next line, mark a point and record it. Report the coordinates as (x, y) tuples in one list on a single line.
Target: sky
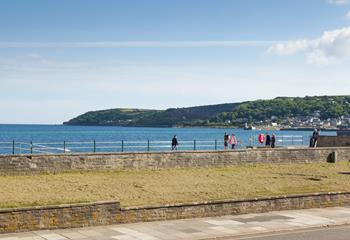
[(61, 58)]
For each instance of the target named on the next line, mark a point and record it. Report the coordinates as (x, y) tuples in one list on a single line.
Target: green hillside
[(235, 114), (112, 117), (141, 117)]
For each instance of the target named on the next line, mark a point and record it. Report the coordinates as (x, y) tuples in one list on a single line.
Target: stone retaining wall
[(344, 132), (104, 213), (333, 141), (31, 164), (61, 216), (231, 207)]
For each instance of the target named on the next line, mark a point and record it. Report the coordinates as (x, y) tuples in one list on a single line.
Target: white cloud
[(338, 2), (289, 48), (130, 44), (330, 47)]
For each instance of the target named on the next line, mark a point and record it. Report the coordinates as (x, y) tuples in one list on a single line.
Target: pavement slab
[(199, 228)]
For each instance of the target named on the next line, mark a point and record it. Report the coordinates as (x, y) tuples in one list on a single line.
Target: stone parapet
[(33, 164), (333, 141)]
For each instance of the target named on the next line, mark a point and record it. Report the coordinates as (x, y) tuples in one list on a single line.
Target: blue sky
[(61, 58)]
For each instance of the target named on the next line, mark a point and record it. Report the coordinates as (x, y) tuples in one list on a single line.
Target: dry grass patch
[(153, 187)]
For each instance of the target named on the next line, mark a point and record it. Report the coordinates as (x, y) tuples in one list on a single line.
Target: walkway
[(203, 228)]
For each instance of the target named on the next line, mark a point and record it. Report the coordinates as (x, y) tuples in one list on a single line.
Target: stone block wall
[(345, 132), (105, 213), (221, 208), (32, 164), (333, 141), (61, 216)]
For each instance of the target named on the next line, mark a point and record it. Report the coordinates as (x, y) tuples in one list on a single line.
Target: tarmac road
[(333, 233)]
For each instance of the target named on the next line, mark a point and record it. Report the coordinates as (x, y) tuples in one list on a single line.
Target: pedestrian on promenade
[(311, 144), (268, 140), (315, 136), (174, 143), (226, 138), (273, 141), (233, 141)]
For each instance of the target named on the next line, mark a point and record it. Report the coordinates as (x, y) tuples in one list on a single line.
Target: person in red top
[(233, 141)]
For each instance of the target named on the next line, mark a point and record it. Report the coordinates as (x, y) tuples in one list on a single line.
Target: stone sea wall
[(32, 164)]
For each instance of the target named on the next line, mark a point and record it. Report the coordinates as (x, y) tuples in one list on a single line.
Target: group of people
[(270, 141), (230, 140)]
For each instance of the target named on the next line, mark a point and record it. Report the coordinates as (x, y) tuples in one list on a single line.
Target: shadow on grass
[(314, 179), (306, 176)]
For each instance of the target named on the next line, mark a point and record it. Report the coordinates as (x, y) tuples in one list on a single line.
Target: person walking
[(226, 138), (311, 143), (268, 140), (315, 136), (233, 141), (273, 141), (174, 143)]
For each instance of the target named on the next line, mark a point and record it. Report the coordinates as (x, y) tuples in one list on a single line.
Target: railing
[(17, 147), (282, 140), (292, 140)]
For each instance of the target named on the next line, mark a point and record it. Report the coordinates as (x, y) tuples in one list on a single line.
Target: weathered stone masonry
[(103, 213), (31, 164), (333, 141), (61, 216)]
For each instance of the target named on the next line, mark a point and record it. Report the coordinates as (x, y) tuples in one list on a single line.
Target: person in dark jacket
[(226, 139), (273, 141), (315, 136), (311, 143), (174, 143), (268, 140)]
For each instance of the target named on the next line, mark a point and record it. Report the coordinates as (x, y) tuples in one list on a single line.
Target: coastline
[(309, 129)]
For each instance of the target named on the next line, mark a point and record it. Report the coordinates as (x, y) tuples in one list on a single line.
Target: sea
[(23, 139)]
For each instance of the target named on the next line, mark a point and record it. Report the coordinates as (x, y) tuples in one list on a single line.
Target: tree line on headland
[(221, 115)]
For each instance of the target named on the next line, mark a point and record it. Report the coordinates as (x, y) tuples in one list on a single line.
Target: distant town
[(302, 122)]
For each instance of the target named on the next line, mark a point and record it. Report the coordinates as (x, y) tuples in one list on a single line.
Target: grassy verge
[(150, 187)]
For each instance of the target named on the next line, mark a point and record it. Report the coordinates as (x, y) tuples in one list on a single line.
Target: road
[(334, 233)]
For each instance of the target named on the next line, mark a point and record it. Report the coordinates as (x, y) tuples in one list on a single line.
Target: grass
[(153, 187)]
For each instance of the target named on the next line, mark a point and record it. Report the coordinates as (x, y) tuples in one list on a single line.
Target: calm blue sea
[(50, 138)]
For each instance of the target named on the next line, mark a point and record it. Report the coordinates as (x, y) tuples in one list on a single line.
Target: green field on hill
[(154, 187)]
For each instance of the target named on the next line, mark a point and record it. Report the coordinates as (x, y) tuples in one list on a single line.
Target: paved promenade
[(227, 227)]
